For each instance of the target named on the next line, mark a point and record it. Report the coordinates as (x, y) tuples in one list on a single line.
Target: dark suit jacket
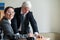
[(29, 18), (6, 27)]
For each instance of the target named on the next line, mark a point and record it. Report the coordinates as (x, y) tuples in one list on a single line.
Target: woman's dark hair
[(7, 8)]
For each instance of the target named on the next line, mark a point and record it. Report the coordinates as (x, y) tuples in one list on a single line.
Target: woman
[(6, 23)]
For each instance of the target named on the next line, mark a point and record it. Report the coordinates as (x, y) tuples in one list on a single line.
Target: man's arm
[(33, 23), (34, 26)]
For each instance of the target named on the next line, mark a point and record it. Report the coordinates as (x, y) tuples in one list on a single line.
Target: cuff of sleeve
[(36, 33), (17, 33)]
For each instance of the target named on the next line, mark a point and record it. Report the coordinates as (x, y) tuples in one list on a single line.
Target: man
[(20, 22)]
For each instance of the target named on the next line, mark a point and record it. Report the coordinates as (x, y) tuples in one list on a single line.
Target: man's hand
[(30, 34), (38, 36)]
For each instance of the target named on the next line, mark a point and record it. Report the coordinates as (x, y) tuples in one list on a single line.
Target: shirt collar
[(9, 21), (24, 13)]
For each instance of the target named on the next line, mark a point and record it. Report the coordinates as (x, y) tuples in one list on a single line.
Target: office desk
[(36, 39), (43, 39)]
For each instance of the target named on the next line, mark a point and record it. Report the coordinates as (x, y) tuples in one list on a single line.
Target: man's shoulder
[(17, 8), (30, 12)]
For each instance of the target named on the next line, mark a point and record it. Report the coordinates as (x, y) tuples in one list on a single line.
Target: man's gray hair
[(27, 4)]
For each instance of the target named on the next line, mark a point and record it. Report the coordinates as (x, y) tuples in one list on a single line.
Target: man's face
[(25, 9), (10, 13)]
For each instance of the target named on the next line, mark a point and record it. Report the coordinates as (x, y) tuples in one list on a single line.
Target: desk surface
[(43, 39), (36, 39)]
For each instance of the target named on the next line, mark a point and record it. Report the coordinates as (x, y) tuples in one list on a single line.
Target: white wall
[(46, 13), (1, 0), (55, 16)]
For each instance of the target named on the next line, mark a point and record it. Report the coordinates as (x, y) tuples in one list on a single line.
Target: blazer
[(28, 19), (6, 27)]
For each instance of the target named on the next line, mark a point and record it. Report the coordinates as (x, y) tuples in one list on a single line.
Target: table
[(36, 39)]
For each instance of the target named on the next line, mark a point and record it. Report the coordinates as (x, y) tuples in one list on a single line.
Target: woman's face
[(10, 13)]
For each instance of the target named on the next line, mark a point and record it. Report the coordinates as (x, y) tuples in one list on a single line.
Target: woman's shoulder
[(4, 21)]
